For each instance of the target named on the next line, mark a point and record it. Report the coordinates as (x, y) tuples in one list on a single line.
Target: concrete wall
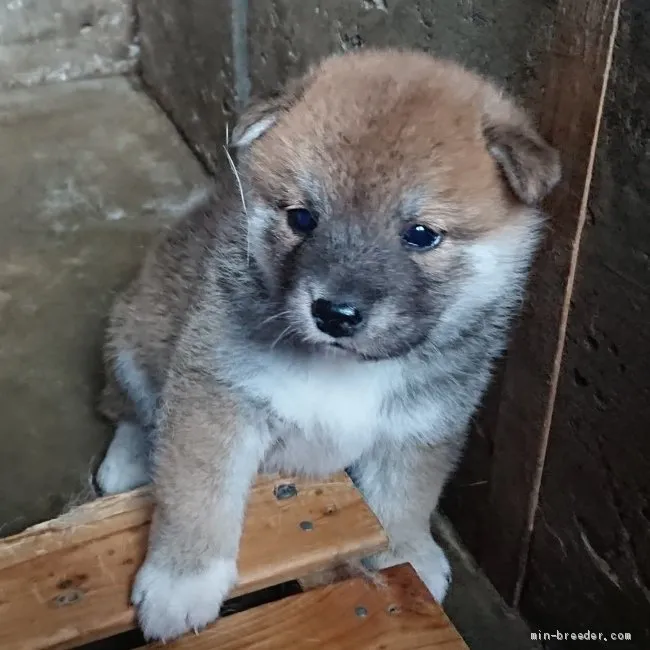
[(55, 40), (202, 59)]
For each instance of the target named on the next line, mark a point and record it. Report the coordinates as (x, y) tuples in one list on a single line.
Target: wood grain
[(400, 616), (590, 551), (67, 581), (573, 81)]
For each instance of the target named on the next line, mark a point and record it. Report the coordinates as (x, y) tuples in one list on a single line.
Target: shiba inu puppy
[(338, 303)]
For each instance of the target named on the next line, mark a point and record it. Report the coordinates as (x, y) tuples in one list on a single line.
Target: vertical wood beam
[(574, 80)]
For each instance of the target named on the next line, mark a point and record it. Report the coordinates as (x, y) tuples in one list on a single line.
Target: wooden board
[(590, 551), (349, 615), (66, 582), (573, 81)]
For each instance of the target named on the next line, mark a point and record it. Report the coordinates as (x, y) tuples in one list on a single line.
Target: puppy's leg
[(208, 451), (126, 464), (402, 486), (128, 400)]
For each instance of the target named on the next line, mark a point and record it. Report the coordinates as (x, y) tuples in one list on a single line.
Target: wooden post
[(573, 83)]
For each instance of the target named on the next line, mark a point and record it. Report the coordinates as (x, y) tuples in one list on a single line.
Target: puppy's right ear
[(262, 114)]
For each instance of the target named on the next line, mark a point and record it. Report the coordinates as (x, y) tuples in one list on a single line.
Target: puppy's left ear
[(263, 113), (531, 166)]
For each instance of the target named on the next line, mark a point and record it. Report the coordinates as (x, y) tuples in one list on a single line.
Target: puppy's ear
[(263, 113), (530, 166)]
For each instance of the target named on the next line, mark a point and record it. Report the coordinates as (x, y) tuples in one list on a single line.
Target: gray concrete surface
[(56, 40), (186, 60), (89, 171), (202, 59), (501, 38)]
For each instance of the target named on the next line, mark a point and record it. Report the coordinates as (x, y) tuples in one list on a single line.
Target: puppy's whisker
[(266, 321), (233, 167), (284, 332)]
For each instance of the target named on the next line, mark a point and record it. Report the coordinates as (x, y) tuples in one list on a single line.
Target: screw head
[(285, 491), (361, 611), (306, 525)]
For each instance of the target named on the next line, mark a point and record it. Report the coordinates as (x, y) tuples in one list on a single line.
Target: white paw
[(170, 604), (125, 466), (434, 570), (428, 560)]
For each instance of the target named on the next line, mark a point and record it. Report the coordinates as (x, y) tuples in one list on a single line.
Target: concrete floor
[(90, 170)]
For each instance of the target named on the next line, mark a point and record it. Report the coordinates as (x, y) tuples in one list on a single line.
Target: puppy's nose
[(336, 319)]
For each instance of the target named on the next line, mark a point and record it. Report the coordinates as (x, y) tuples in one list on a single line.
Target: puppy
[(338, 304)]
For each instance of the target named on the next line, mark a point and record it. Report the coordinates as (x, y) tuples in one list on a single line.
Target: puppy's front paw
[(170, 604), (428, 560), (434, 570)]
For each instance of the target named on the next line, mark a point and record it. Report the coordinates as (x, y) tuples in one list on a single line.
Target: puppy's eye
[(301, 220), (419, 237)]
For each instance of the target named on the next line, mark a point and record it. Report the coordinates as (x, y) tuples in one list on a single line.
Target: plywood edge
[(84, 523)]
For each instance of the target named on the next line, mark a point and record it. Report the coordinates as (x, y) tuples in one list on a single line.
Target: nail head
[(68, 598), (285, 491)]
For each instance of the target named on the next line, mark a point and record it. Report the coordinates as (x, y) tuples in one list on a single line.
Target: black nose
[(336, 319)]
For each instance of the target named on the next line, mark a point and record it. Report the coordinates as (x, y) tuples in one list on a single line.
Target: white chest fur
[(334, 408), (333, 400)]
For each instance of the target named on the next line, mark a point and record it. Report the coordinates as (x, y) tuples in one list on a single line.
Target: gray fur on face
[(437, 337)]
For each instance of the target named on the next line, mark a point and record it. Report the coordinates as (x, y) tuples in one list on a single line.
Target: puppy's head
[(390, 195)]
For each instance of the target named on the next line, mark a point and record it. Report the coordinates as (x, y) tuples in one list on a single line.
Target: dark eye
[(419, 237), (301, 220)]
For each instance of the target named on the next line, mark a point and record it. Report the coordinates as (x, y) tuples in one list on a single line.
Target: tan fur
[(434, 137)]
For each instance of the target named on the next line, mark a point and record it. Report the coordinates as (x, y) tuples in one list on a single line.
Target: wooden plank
[(590, 551), (573, 81), (349, 615), (67, 582)]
